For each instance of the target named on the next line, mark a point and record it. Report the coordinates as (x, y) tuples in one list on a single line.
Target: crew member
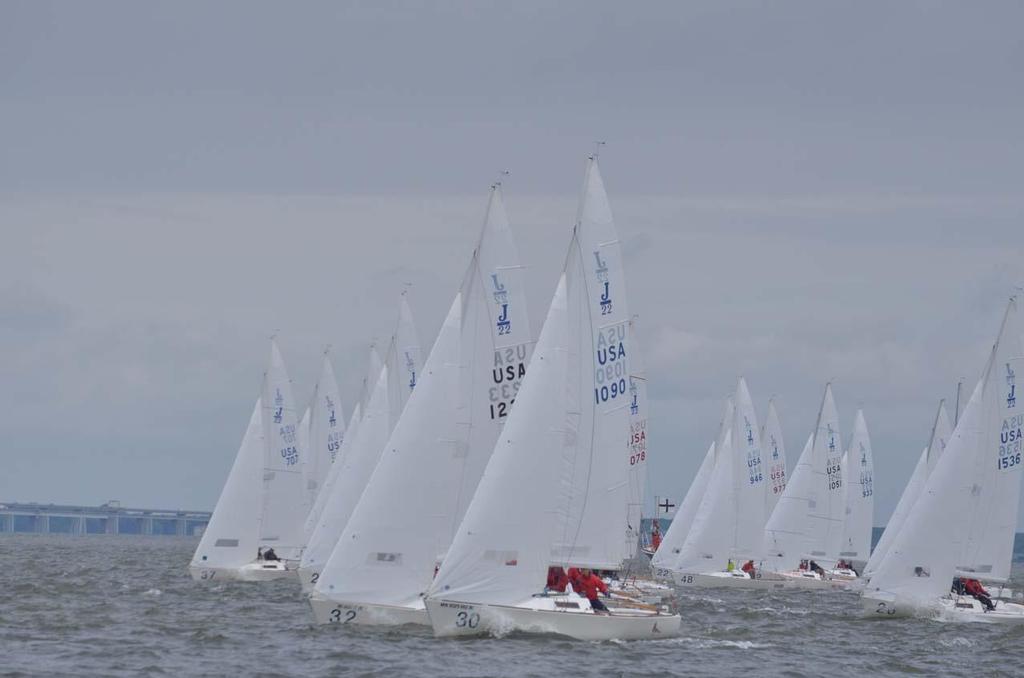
[(730, 566), (270, 555), (748, 567), (974, 588), (655, 536), (557, 579), (590, 586)]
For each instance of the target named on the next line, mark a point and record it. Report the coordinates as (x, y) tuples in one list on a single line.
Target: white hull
[(548, 616), (957, 609), (803, 579), (259, 571), (644, 590), (327, 611), (766, 581)]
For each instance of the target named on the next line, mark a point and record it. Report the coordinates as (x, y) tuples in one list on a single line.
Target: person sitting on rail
[(270, 555), (748, 567), (974, 589), (557, 579)]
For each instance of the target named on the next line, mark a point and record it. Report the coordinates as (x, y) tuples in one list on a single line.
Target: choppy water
[(112, 606)]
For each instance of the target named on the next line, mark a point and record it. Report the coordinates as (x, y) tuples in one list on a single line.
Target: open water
[(121, 606)]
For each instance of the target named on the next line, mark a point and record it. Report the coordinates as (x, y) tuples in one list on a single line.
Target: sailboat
[(385, 559), (360, 459), (926, 463), (561, 445), (263, 503), (859, 490), (728, 528), (964, 521), (806, 528), (665, 558)]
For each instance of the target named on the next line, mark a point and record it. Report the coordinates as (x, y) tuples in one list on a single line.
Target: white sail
[(671, 544), (637, 443), (502, 549), (285, 500), (599, 321), (232, 535), (786, 530), (403, 361), (826, 507), (373, 373), (749, 478), (860, 501), (712, 536), (965, 518), (358, 463), (774, 451), (941, 431), (326, 429), (446, 434), (682, 524)]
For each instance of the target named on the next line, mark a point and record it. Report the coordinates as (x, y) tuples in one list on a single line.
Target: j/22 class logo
[(504, 324), (602, 278), (278, 406)]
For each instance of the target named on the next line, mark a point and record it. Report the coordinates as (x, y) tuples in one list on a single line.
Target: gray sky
[(806, 191)]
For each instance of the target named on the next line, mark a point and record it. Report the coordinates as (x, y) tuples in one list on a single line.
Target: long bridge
[(110, 518)]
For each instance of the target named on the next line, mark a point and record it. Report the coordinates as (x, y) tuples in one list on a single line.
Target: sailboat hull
[(740, 580), (956, 609), (327, 611), (455, 619), (264, 571)]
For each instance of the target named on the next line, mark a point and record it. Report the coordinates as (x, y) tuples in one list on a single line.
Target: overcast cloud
[(805, 191)]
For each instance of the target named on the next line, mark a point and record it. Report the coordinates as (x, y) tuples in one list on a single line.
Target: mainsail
[(860, 500)]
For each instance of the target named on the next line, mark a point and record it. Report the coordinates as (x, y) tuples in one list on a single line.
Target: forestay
[(285, 500), (860, 500), (231, 538), (974, 487)]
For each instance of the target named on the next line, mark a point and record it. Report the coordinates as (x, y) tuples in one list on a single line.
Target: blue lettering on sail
[(410, 365), (1011, 397), (504, 324), (634, 407), (831, 439), (500, 293), (279, 405), (332, 420), (775, 449), (602, 277)]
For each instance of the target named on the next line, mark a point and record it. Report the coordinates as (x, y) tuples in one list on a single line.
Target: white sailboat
[(263, 501), (324, 426), (806, 527), (227, 549), (926, 463), (567, 427), (666, 558), (358, 460), (728, 529), (859, 468), (964, 521), (385, 559), (285, 500)]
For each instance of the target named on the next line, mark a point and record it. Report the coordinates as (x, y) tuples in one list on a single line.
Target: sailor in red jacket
[(589, 585), (655, 536), (975, 589), (557, 579)]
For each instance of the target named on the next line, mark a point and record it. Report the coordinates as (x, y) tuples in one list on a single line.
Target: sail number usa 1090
[(610, 365)]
